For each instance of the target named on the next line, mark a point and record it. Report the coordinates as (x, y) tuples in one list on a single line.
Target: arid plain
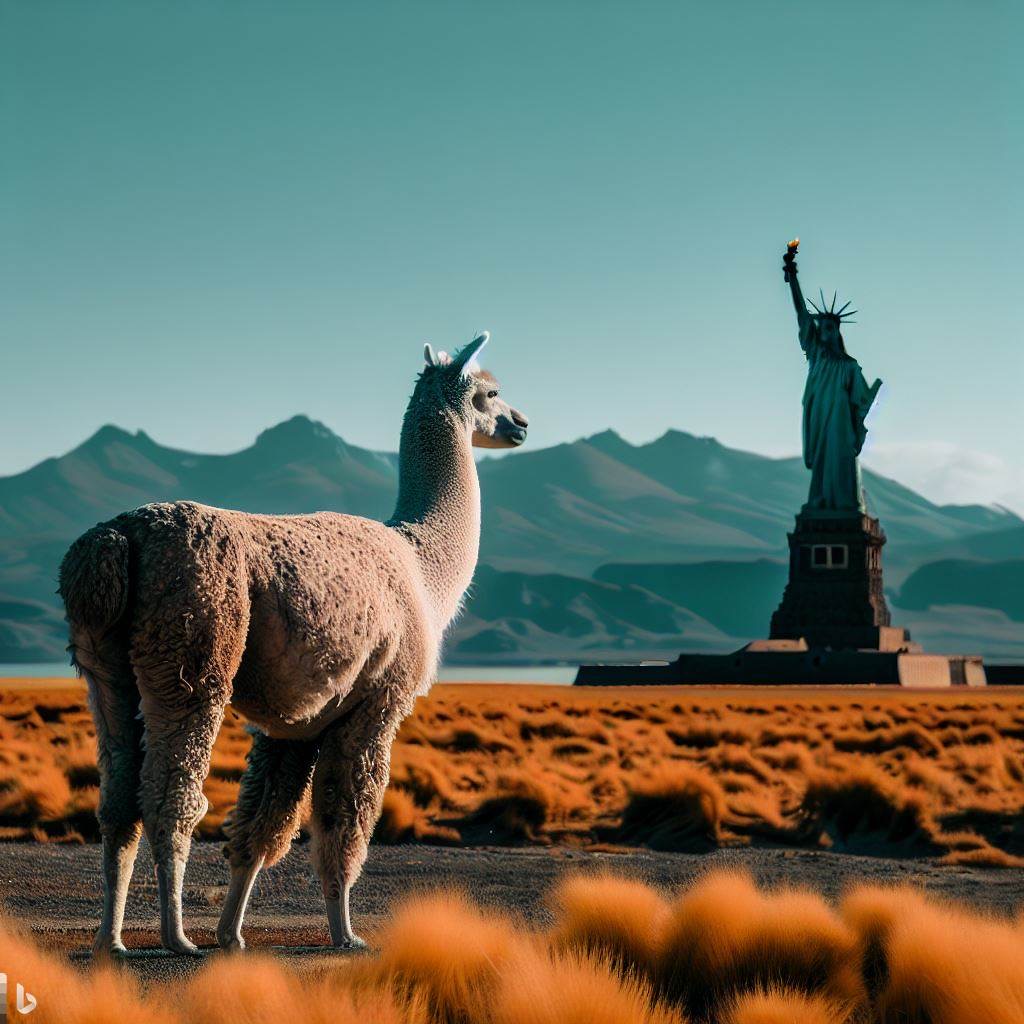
[(838, 845), (936, 774)]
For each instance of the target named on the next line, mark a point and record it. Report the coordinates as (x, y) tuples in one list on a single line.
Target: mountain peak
[(300, 434), (110, 433), (684, 436), (607, 436), (610, 442)]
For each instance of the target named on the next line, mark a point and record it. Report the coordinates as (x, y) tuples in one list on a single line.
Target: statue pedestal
[(831, 629), (834, 597)]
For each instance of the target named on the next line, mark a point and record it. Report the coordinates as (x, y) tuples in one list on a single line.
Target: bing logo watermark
[(24, 1003)]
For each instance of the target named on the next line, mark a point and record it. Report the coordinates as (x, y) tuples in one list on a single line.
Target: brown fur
[(322, 629)]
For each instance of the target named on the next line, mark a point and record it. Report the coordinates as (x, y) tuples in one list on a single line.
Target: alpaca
[(321, 629)]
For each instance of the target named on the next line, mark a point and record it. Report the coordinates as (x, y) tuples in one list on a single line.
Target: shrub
[(782, 1006), (723, 938), (573, 989), (678, 810), (931, 963), (615, 919)]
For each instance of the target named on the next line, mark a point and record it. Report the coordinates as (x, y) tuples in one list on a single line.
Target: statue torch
[(789, 260)]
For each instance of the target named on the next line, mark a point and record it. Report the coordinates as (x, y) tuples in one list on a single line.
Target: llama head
[(457, 383)]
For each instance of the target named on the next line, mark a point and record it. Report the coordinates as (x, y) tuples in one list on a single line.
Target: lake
[(559, 675)]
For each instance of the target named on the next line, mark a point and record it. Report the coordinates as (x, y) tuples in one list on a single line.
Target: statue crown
[(839, 315)]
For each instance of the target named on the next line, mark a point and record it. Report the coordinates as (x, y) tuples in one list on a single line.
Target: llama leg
[(178, 746), (264, 821), (229, 927), (114, 701), (348, 787), (189, 626)]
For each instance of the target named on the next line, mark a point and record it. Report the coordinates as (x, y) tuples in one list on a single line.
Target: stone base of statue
[(832, 628), (834, 597), (792, 663)]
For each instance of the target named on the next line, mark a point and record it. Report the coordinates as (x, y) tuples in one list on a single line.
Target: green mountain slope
[(998, 585), (737, 597), (689, 535)]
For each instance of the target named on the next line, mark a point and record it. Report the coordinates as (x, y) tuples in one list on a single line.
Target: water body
[(37, 670), (559, 675)]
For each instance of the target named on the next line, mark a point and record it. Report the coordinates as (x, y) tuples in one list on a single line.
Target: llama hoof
[(231, 943), (352, 943), (105, 947), (182, 947)]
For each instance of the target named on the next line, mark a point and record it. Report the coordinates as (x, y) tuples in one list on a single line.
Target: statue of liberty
[(836, 401)]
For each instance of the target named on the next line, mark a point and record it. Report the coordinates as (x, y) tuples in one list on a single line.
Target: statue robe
[(836, 400)]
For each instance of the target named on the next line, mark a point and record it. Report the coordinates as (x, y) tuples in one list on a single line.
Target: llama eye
[(492, 394)]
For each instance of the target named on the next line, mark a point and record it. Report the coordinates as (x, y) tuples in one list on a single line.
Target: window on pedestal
[(829, 556)]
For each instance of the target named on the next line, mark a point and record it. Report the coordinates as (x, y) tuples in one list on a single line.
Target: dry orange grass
[(442, 956), (925, 962), (779, 1006), (570, 989), (261, 990), (67, 996), (883, 772), (724, 937), (617, 952), (616, 919)]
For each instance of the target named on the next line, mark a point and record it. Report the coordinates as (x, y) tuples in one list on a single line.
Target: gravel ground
[(55, 890)]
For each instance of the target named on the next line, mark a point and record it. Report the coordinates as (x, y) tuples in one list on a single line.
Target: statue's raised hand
[(789, 265)]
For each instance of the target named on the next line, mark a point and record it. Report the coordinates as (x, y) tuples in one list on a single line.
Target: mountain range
[(592, 549)]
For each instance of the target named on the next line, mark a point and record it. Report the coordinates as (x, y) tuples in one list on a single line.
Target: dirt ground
[(55, 889)]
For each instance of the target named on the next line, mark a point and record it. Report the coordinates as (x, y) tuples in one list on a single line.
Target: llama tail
[(94, 580)]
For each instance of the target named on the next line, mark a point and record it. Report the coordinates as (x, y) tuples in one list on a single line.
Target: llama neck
[(438, 509)]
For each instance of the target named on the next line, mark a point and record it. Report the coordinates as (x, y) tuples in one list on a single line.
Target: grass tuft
[(930, 963), (613, 918), (782, 1006), (681, 809), (569, 988), (724, 937)]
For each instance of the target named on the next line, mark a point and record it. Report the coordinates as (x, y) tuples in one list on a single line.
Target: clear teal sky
[(215, 215)]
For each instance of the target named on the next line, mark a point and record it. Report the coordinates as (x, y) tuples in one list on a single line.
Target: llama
[(321, 629)]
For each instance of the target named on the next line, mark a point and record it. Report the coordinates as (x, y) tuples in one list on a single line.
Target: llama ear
[(432, 358), (466, 356)]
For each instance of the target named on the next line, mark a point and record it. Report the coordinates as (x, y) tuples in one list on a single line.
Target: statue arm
[(803, 318)]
